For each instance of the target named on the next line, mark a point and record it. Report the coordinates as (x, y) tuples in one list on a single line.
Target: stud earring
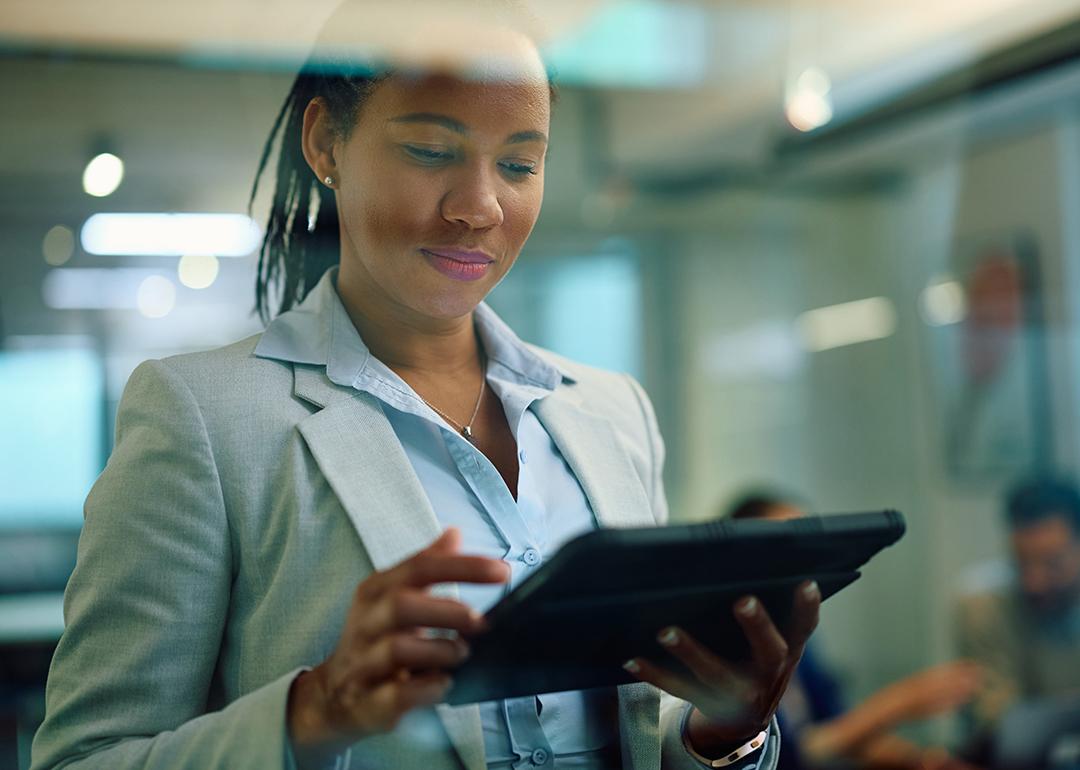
[(329, 181)]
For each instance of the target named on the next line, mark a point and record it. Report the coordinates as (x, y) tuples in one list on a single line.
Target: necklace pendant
[(467, 433)]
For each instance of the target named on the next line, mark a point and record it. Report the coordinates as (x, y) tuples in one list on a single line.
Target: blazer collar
[(351, 432), (319, 332)]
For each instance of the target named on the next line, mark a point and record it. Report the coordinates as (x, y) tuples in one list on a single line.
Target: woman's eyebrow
[(527, 136), (458, 127), (430, 117)]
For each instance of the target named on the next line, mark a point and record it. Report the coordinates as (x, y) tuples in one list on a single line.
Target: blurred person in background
[(819, 731), (224, 613), (1025, 630)]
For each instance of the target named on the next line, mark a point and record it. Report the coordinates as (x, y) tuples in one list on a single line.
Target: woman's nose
[(473, 200)]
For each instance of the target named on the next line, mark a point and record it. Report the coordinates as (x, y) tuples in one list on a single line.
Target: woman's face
[(438, 187)]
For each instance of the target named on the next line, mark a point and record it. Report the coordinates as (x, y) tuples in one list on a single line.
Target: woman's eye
[(428, 154), (518, 169)]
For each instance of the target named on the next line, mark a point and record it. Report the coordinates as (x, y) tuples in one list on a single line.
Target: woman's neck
[(410, 343)]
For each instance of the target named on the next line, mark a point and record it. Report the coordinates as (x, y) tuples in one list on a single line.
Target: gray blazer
[(243, 502)]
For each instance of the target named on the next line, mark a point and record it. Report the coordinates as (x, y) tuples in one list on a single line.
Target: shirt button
[(523, 456), (532, 558), (539, 757)]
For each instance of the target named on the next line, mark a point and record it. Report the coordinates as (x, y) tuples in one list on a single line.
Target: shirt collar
[(319, 332)]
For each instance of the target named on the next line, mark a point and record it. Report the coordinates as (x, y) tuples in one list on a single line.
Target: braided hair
[(293, 258)]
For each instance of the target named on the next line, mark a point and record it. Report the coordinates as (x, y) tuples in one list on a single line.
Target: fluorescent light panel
[(171, 235), (766, 350), (94, 288), (849, 323)]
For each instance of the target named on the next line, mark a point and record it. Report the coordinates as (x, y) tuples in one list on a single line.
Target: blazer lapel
[(363, 461), (366, 466), (591, 448)]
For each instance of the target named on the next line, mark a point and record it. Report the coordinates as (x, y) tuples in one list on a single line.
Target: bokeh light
[(198, 271), (103, 175), (58, 245), (156, 296)]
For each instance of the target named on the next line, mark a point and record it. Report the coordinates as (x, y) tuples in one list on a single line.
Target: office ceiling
[(191, 115), (840, 35)]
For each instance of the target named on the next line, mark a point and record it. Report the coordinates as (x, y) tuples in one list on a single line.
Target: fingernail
[(747, 607), (811, 590), (669, 637), (632, 666)]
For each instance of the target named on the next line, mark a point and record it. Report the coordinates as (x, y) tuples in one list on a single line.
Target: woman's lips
[(459, 265)]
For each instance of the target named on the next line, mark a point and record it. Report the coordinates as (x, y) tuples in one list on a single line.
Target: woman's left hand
[(734, 702)]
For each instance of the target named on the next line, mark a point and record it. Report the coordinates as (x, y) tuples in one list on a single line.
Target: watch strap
[(742, 752)]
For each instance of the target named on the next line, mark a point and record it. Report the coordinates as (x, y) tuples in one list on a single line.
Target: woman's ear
[(317, 142)]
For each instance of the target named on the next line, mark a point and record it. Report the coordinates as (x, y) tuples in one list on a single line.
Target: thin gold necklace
[(464, 430)]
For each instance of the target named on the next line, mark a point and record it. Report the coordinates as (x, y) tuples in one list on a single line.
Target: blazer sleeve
[(675, 756), (146, 606)]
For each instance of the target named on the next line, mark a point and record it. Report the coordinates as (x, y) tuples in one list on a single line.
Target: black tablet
[(604, 596)]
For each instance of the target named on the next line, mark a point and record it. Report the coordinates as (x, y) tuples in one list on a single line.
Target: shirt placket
[(530, 742)]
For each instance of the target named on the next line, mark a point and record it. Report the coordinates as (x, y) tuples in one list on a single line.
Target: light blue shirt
[(576, 729)]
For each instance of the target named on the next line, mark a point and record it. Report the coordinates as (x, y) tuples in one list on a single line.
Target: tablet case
[(604, 596)]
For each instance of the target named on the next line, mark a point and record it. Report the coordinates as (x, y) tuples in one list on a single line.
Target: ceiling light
[(171, 235), (103, 175), (849, 323), (94, 288), (808, 105), (943, 303)]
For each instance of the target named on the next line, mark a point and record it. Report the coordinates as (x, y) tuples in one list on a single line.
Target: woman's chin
[(448, 304)]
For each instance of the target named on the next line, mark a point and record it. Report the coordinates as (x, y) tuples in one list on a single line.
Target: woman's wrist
[(713, 741), (313, 741)]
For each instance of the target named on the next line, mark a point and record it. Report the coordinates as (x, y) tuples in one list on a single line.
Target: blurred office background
[(837, 240)]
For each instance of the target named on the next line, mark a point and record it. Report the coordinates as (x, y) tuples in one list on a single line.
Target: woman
[(283, 522)]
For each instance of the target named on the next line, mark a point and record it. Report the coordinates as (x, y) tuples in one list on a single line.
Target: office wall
[(865, 426)]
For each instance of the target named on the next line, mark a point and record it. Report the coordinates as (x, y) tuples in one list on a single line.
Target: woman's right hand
[(386, 663)]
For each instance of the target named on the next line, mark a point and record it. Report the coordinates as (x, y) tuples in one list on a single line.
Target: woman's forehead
[(463, 104)]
